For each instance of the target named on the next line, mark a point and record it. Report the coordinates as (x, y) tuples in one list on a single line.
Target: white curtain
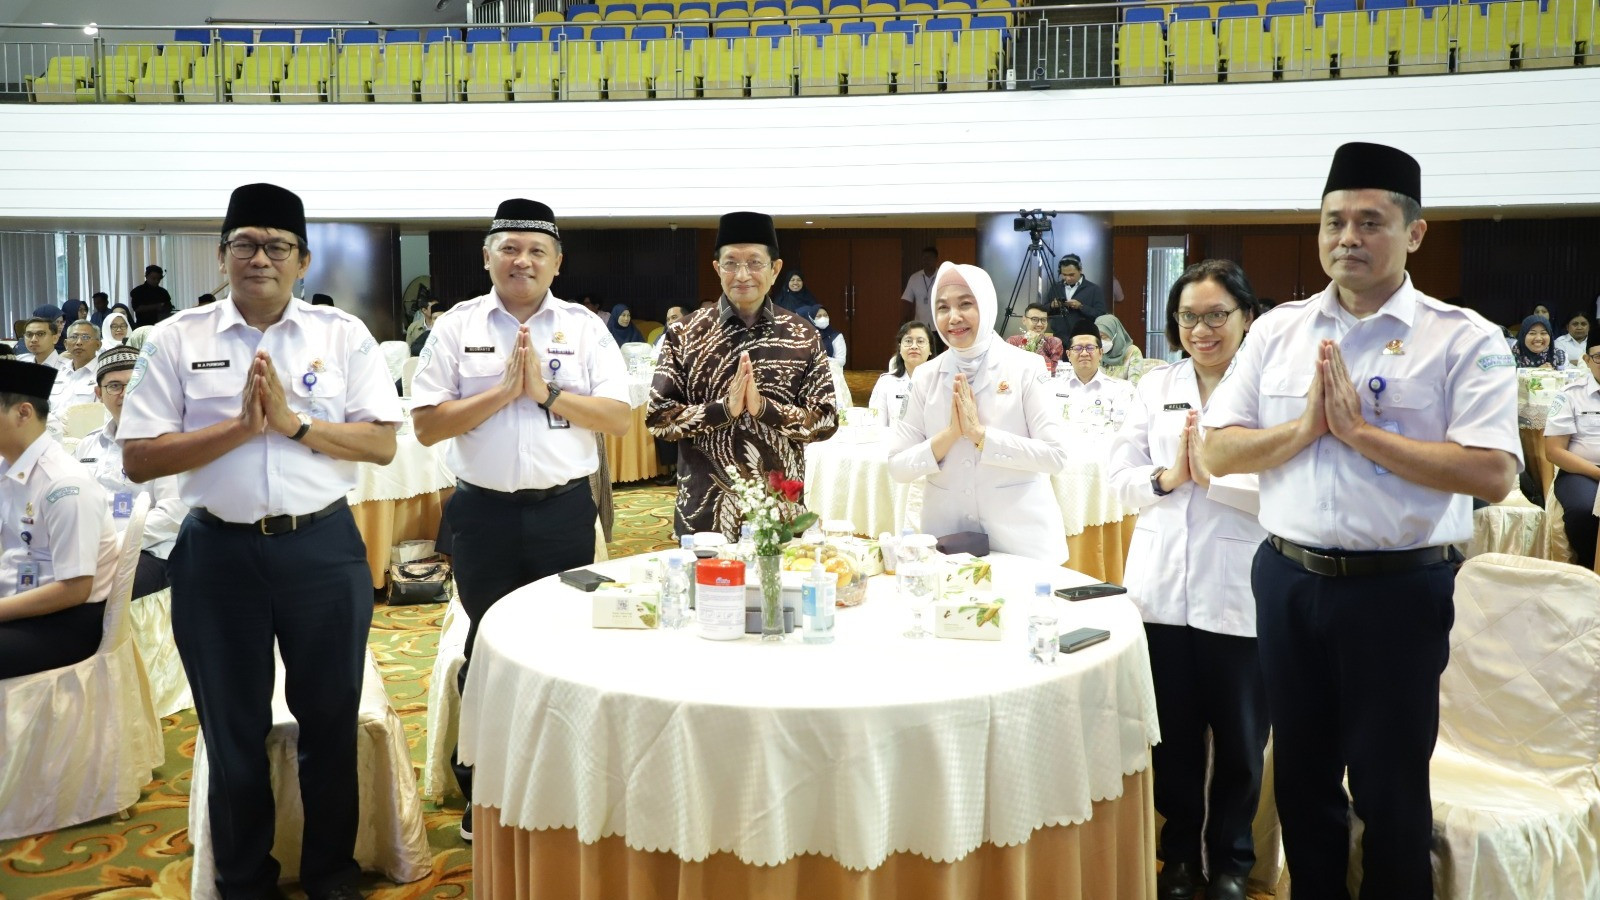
[(115, 263), (27, 275)]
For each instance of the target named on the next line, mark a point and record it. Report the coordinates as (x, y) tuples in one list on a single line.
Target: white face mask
[(822, 322), (1105, 345)]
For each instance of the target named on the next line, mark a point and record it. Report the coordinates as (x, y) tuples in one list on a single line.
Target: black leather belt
[(523, 497), (271, 525), (1355, 563)]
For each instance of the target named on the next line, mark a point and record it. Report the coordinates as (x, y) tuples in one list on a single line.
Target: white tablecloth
[(847, 479), (868, 746), (415, 470), (1537, 387)]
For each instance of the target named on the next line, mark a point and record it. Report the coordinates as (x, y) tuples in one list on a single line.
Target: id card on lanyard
[(552, 419)]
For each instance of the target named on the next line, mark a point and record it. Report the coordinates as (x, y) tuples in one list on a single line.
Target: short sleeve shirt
[(1576, 411), (191, 374), (54, 523)]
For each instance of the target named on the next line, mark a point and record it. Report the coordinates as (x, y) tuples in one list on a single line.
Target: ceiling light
[(91, 29)]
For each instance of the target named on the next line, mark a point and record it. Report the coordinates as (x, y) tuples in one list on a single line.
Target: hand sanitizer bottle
[(817, 600)]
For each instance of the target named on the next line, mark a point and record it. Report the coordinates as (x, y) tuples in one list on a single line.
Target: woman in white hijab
[(114, 330), (981, 427)]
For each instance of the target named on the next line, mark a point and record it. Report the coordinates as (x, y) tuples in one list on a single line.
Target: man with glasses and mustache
[(76, 382), (266, 403), (1374, 414), (1088, 395), (744, 383)]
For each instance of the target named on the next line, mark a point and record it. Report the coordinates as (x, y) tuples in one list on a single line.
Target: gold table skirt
[(384, 523)]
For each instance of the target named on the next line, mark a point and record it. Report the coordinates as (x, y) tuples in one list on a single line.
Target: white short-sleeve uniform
[(1446, 376), (889, 396), (521, 446), (1101, 399), (101, 453), (54, 521), (1576, 412), (72, 387)]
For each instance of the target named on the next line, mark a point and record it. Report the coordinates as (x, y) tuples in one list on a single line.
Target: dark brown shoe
[(1179, 881)]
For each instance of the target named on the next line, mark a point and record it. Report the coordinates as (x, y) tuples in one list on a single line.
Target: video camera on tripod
[(1033, 221), (1038, 261)]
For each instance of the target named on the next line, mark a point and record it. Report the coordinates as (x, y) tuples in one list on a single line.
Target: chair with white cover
[(83, 418), (158, 651), (1516, 773), (408, 371), (81, 741), (1556, 545), (390, 837)]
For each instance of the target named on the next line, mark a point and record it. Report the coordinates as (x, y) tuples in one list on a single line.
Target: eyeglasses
[(1083, 348), (35, 335), (1216, 319), (914, 342), (755, 267), (79, 338), (114, 387), (276, 250), (1035, 320), (1592, 357)]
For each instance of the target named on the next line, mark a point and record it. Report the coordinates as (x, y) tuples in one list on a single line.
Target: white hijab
[(969, 360), (106, 340)]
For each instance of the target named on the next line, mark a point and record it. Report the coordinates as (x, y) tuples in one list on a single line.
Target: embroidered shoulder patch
[(367, 345), (60, 492), (1557, 403), (1496, 361)]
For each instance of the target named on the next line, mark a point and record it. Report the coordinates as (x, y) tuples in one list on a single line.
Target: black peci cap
[(518, 214), (265, 206), (1361, 166), (747, 228)]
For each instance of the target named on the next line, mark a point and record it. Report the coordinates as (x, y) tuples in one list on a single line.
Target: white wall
[(1514, 138)]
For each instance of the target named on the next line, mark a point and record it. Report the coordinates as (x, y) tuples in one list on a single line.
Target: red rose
[(792, 490), (774, 481)]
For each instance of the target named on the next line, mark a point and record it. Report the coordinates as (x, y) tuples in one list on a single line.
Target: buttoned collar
[(24, 466), (727, 312), (1072, 377), (551, 305), (1401, 305), (228, 315)]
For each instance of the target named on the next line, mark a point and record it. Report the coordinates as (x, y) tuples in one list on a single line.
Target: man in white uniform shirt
[(263, 404), (39, 338), (1088, 395), (58, 549), (1374, 414), (522, 380), (76, 383), (100, 451), (919, 288)]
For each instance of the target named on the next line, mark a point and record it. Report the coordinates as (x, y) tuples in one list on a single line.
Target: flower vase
[(771, 596)]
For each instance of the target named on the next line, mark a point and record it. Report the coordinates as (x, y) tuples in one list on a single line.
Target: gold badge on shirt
[(1395, 348), (1003, 388), (559, 338)]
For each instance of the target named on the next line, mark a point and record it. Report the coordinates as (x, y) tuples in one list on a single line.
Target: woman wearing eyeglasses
[(913, 344), (1188, 570), (982, 427), (1572, 442)]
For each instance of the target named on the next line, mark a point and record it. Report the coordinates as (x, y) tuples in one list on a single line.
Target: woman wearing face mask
[(115, 328), (1534, 348), (832, 340), (912, 346), (795, 297), (1577, 337), (1188, 571), (1121, 357), (982, 427)]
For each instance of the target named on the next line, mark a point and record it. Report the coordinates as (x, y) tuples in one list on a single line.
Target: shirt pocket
[(1587, 425), (1417, 404), (322, 396), (480, 373), (1283, 393), (212, 396)]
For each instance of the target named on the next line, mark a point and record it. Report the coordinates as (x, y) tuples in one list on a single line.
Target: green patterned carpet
[(149, 854)]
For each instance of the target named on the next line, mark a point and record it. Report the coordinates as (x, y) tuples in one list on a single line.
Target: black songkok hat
[(518, 214), (26, 378), (1360, 166), (747, 228), (265, 206), (1084, 327)]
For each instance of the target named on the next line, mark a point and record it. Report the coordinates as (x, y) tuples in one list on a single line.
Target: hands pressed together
[(264, 406), (742, 392), (523, 376), (964, 413), (1332, 405), (1190, 466)]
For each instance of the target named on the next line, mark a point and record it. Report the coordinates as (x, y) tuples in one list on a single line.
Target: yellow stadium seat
[(358, 64), (821, 62), (1481, 41), (1193, 46), (233, 57), (62, 77), (118, 76), (202, 84), (1326, 39), (1141, 54), (916, 11), (725, 68), (1521, 18), (396, 79), (305, 80), (1422, 43), (878, 13), (675, 76), (869, 65), (655, 15), (1363, 47), (549, 17), (922, 69), (444, 67), (1290, 37), (621, 16), (772, 66), (1587, 15), (1554, 42), (142, 52), (629, 70), (259, 77), (999, 8), (1246, 45), (583, 70), (973, 61), (538, 71), (489, 75), (159, 83), (184, 50)]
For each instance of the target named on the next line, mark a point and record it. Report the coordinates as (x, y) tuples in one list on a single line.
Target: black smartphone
[(1073, 641), (1089, 591), (583, 579)]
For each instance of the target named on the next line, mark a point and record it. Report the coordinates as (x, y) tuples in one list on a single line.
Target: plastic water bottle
[(817, 602), (745, 550), (686, 554), (675, 595), (1043, 627)]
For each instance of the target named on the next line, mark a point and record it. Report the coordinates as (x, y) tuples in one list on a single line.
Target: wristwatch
[(305, 426), (1155, 481), (555, 391)]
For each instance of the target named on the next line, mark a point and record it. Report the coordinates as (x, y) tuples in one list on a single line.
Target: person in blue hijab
[(1536, 347), (795, 297), (621, 326)]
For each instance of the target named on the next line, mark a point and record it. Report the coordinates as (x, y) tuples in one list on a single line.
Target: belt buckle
[(294, 523), (1319, 564)]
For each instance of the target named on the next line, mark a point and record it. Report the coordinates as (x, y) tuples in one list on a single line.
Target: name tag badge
[(122, 505), (27, 575), (489, 349), (1177, 406), (1392, 427), (200, 365), (555, 421)]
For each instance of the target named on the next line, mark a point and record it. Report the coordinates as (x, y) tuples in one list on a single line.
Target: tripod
[(1037, 264)]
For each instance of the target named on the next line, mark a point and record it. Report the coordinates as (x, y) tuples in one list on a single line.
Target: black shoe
[(1227, 887), (1179, 881), (664, 480), (466, 824), (341, 892)]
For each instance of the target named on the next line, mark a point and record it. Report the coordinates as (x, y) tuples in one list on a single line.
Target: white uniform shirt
[(191, 374), (56, 361), (1572, 348), (54, 519), (1102, 399), (73, 386), (918, 293), (1190, 557), (100, 451), (1576, 411), (1451, 380), (1004, 490), (889, 396), (516, 448)]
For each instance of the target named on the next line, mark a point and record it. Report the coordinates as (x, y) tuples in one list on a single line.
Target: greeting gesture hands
[(514, 382), (1193, 441), (965, 411), (1341, 404), (742, 393), (533, 383)]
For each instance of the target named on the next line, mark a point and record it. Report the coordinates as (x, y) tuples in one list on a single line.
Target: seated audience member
[(6, 351), (205, 298), (708, 303), (73, 310), (137, 337), (1088, 393), (1036, 338), (796, 298), (1542, 311), (100, 309), (426, 314), (101, 453), (75, 384), (1120, 356), (123, 308), (1573, 342), (1534, 349), (115, 330), (1572, 442), (912, 346), (39, 341), (58, 548), (321, 300), (832, 340), (621, 326), (674, 316)]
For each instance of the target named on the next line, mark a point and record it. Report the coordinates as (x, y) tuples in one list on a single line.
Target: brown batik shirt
[(688, 405)]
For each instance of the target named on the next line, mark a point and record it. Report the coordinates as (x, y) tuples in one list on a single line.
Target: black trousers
[(1352, 668), (501, 545), (41, 643), (233, 592), (150, 576), (1576, 493), (1207, 682)]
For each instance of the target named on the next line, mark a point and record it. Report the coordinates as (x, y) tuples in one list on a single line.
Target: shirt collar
[(228, 314), (1401, 305), (727, 312), (549, 305), (1073, 376), (23, 467)]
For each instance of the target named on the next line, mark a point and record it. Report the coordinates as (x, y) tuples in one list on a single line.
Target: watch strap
[(305, 426), (555, 391), (1155, 481)]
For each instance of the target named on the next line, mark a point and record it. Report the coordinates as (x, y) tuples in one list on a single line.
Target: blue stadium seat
[(773, 30), (402, 36), (483, 35), (733, 31), (779, 5), (199, 35), (608, 33), (360, 36), (236, 35), (1285, 8), (941, 24), (864, 27), (1148, 14), (577, 9), (1332, 6), (899, 25), (1240, 11), (821, 28), (623, 7), (803, 7), (1185, 13), (316, 35), (985, 22), (566, 32), (277, 35), (694, 32), (526, 34), (648, 32), (733, 6), (668, 8), (435, 35), (893, 3)]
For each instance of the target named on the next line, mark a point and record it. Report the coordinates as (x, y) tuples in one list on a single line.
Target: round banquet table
[(847, 477), (652, 763), (1536, 388), (632, 457), (402, 501)]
